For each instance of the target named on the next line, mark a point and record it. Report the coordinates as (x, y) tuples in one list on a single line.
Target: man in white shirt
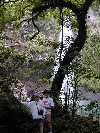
[(48, 104), (37, 110)]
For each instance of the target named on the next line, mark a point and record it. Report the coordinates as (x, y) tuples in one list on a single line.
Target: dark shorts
[(37, 120)]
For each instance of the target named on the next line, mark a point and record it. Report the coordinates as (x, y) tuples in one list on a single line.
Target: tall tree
[(78, 44)]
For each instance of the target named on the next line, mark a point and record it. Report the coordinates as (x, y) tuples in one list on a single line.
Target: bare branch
[(33, 21), (25, 20)]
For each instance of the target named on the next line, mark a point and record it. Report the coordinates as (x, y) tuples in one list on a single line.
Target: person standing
[(37, 111), (48, 104)]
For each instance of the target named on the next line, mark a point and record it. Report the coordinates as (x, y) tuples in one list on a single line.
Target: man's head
[(35, 97), (41, 96), (46, 93)]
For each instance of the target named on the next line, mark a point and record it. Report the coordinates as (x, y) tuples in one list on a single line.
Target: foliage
[(90, 57), (10, 64), (77, 2), (74, 125), (22, 66), (91, 106), (16, 9)]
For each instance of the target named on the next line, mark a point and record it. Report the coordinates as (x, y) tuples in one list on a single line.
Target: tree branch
[(33, 18), (6, 2)]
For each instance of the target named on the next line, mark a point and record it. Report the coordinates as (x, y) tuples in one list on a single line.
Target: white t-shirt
[(34, 107)]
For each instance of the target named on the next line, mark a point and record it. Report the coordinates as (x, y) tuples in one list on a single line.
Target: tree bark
[(74, 48)]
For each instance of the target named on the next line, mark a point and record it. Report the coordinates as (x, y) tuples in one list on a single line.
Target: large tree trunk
[(74, 48)]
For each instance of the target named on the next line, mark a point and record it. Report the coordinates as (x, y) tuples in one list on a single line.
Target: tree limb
[(6, 2)]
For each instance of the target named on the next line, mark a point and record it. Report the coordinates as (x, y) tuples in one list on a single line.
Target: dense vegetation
[(29, 54)]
